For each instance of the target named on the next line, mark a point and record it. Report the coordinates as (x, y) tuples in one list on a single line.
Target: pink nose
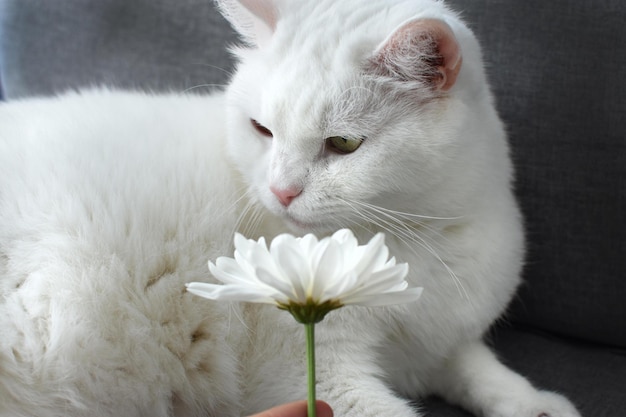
[(286, 195)]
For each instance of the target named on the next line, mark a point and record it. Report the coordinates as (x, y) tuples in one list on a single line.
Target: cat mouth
[(304, 222)]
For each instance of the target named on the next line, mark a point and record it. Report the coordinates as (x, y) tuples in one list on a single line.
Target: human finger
[(297, 409)]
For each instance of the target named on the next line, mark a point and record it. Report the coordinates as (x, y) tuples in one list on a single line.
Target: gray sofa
[(558, 70)]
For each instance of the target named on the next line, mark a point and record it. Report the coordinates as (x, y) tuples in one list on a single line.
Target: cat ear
[(420, 50), (255, 20)]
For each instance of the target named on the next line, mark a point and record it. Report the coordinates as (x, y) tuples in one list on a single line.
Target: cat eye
[(343, 145), (261, 129)]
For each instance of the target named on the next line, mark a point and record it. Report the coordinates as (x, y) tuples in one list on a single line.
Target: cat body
[(111, 201)]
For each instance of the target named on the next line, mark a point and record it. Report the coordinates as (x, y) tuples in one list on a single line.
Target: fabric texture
[(49, 46), (591, 376)]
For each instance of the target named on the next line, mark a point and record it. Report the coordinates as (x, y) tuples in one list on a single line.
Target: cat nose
[(286, 195)]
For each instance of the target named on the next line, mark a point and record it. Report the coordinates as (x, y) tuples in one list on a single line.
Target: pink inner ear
[(263, 9), (431, 40), (449, 50)]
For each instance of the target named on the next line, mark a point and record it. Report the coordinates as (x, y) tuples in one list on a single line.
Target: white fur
[(110, 202)]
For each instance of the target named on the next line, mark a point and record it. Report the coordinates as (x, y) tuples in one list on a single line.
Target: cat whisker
[(400, 227), (250, 216), (210, 85), (407, 216), (345, 220), (233, 310), (225, 71), (423, 222), (394, 229), (254, 222), (195, 87), (386, 220), (419, 220), (374, 219)]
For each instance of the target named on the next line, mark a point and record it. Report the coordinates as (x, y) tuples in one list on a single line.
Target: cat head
[(342, 111)]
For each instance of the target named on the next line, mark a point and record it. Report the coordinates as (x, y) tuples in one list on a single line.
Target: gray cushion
[(593, 378), (48, 46)]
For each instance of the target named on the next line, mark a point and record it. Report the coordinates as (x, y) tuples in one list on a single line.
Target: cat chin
[(300, 227)]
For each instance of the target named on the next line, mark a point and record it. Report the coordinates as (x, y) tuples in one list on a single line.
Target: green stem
[(310, 355)]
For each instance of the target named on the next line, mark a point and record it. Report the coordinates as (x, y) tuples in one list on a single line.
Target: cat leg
[(476, 380), (352, 385)]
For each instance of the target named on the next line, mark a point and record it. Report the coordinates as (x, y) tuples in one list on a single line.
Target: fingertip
[(323, 409)]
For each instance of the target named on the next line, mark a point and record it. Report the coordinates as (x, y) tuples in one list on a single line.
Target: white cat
[(371, 114)]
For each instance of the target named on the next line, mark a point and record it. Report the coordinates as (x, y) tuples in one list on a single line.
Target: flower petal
[(243, 245), (262, 258), (272, 281), (281, 240), (385, 280), (327, 257), (372, 255), (230, 292), (228, 271), (345, 237), (300, 270), (336, 290), (307, 243), (294, 265)]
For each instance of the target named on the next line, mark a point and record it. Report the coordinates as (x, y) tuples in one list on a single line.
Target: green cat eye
[(343, 145)]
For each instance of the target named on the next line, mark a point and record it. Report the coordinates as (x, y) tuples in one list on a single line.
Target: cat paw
[(540, 404)]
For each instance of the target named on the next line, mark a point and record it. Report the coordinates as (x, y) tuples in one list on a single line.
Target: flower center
[(311, 311)]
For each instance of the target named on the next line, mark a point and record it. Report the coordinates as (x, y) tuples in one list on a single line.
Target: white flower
[(304, 274)]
